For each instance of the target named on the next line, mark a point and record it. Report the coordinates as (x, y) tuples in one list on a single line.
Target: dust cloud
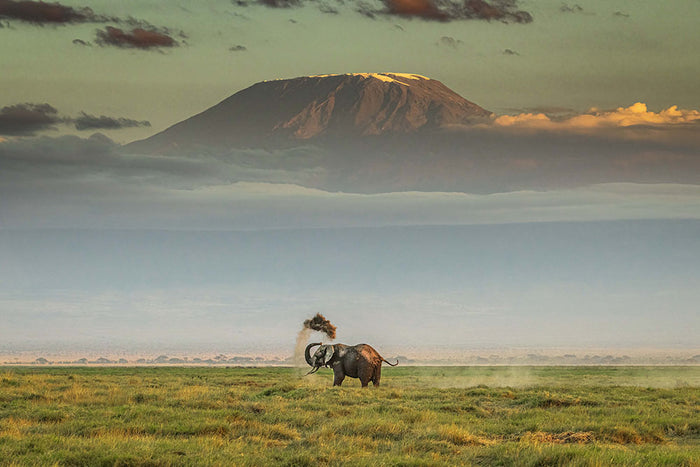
[(320, 323), (471, 376), (317, 323)]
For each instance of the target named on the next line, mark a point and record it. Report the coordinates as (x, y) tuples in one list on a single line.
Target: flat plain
[(429, 416)]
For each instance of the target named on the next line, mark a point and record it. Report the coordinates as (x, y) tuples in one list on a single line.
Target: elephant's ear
[(330, 351)]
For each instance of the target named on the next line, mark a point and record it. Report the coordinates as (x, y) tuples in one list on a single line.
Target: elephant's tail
[(392, 364)]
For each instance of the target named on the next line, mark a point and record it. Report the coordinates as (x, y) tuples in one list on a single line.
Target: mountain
[(288, 112), (387, 132)]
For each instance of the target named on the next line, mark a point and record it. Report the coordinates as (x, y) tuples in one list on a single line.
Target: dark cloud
[(448, 41), (500, 10), (70, 161), (143, 24), (143, 35), (576, 8), (40, 13), (510, 52), (70, 181), (92, 122), (238, 48), (45, 13), (505, 11), (27, 119), (137, 38), (281, 3)]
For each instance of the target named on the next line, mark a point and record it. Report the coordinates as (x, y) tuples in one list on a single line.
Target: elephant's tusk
[(313, 370)]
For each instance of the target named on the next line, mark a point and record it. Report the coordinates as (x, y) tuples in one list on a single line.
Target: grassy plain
[(420, 416)]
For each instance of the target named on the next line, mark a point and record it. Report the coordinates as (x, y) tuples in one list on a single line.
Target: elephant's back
[(367, 351)]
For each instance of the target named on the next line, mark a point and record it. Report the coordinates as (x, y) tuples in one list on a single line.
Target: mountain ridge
[(319, 107)]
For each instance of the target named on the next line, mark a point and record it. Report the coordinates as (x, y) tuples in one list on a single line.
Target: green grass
[(420, 416)]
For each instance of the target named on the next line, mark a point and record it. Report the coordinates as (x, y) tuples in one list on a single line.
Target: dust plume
[(317, 323), (320, 323)]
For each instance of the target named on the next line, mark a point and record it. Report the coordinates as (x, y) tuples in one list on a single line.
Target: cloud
[(621, 14), (447, 10), (634, 115), (74, 183), (91, 122), (143, 35), (137, 38), (492, 177), (39, 13), (424, 9), (500, 10), (27, 119), (550, 110), (281, 3), (505, 11), (510, 52), (451, 42), (238, 48), (576, 8)]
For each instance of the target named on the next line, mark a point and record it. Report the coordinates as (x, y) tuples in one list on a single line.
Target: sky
[(587, 236), (602, 54)]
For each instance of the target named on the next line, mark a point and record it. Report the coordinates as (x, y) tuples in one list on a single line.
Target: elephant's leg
[(365, 373), (377, 375), (338, 376)]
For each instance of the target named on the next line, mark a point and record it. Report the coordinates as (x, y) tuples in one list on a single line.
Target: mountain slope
[(290, 111)]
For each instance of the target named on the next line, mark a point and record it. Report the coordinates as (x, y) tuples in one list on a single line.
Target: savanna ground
[(420, 416)]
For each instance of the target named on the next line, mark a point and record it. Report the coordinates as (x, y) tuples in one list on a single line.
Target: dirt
[(320, 323)]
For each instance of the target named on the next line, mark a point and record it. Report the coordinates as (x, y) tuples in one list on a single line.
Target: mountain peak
[(320, 107), (399, 78)]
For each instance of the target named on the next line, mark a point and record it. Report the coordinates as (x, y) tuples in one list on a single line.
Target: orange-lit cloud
[(637, 114), (425, 9)]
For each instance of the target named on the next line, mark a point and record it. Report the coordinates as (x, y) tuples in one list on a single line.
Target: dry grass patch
[(461, 437), (628, 435), (15, 428), (566, 437)]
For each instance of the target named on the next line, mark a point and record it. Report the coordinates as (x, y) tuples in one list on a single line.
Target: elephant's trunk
[(307, 353)]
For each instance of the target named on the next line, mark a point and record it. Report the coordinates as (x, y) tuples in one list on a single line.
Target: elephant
[(357, 361)]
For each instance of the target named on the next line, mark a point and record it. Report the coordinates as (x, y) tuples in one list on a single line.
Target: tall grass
[(420, 416)]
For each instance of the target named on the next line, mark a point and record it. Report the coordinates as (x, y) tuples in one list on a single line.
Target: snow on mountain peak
[(388, 77)]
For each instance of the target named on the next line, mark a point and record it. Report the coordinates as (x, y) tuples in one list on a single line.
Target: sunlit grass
[(420, 416)]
